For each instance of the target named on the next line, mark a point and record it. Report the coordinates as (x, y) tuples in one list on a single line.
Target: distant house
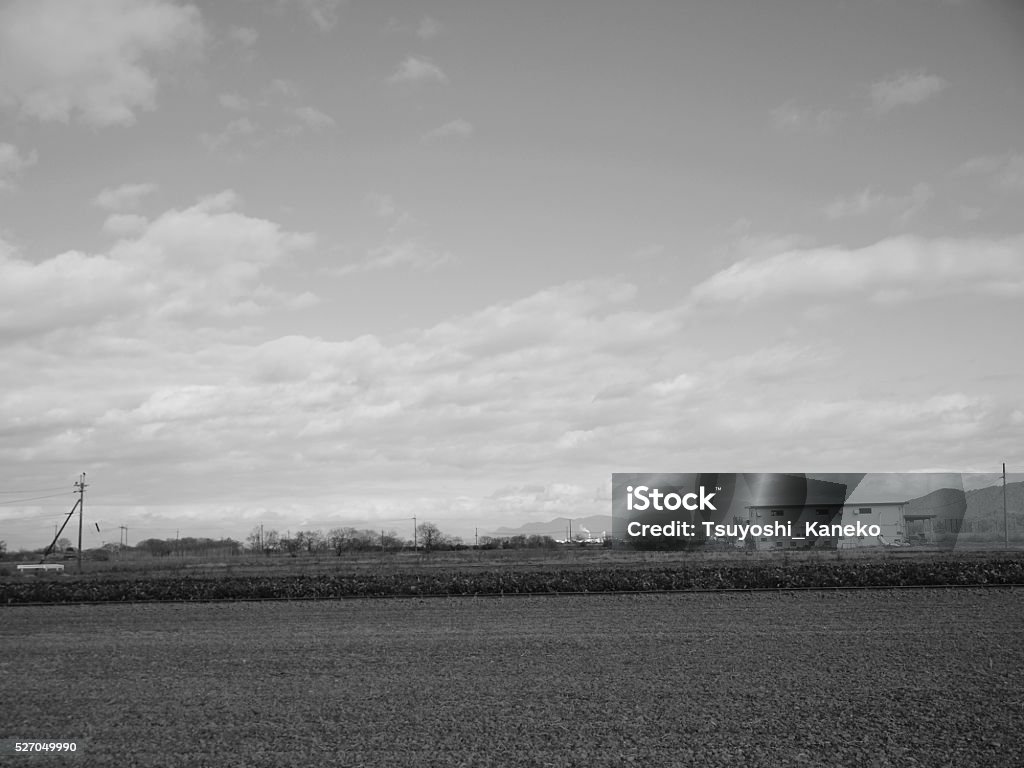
[(890, 517), (793, 501), (794, 517)]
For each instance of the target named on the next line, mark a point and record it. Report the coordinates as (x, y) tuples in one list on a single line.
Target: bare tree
[(313, 541), (254, 539), (430, 536)]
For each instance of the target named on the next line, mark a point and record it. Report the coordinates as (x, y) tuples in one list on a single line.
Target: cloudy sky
[(313, 263)]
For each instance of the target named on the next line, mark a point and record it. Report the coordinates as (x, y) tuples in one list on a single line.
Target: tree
[(63, 544), (390, 541), (255, 539), (271, 541), (155, 547), (430, 536), (3, 548), (313, 541)]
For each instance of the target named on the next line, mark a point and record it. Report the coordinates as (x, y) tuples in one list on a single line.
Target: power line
[(8, 502), (36, 490), (30, 517)]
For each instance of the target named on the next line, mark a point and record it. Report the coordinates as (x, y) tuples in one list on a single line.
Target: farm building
[(793, 501), (889, 516)]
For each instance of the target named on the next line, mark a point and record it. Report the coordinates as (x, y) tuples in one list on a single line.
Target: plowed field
[(877, 678)]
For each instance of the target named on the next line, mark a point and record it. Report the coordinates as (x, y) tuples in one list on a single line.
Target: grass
[(930, 678), (144, 566)]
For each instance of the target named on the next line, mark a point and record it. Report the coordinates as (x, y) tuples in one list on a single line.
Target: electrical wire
[(36, 490), (8, 502)]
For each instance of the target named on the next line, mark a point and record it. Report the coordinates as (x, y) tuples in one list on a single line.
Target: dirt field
[(879, 678)]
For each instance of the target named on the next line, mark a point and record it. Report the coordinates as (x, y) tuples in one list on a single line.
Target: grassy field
[(141, 566), (881, 678)]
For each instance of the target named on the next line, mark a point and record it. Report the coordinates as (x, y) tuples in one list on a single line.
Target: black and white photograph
[(493, 383)]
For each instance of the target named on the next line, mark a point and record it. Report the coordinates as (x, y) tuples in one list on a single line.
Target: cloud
[(231, 133), (904, 89), (91, 60), (125, 197), (124, 224), (793, 117), (868, 201), (243, 36), (408, 254), (313, 118), (323, 13), (647, 252), (202, 262), (458, 128), (1006, 171), (518, 407), (12, 163), (383, 205), (428, 29), (414, 70), (905, 267), (282, 87), (233, 101)]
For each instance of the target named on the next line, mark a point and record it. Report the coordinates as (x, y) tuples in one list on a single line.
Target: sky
[(315, 264)]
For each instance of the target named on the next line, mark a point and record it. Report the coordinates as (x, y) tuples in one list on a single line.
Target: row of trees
[(339, 541), (342, 540), (188, 545)]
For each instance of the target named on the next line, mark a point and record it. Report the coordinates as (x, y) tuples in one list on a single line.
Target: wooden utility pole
[(80, 485), (1006, 528)]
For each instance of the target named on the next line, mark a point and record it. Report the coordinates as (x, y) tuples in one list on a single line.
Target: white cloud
[(313, 118), (540, 397), (868, 201), (236, 129), (414, 70), (125, 197), (124, 224), (428, 29), (282, 87), (323, 13), (233, 101), (458, 128), (904, 89), (797, 118), (647, 252), (243, 36), (202, 262), (904, 267), (91, 60), (12, 163), (408, 254), (1007, 171)]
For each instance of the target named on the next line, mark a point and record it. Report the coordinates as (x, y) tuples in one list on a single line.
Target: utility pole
[(80, 485), (261, 538), (415, 546), (1006, 529), (476, 538)]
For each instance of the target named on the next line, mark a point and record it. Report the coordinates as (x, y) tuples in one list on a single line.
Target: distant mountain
[(559, 528), (976, 511)]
